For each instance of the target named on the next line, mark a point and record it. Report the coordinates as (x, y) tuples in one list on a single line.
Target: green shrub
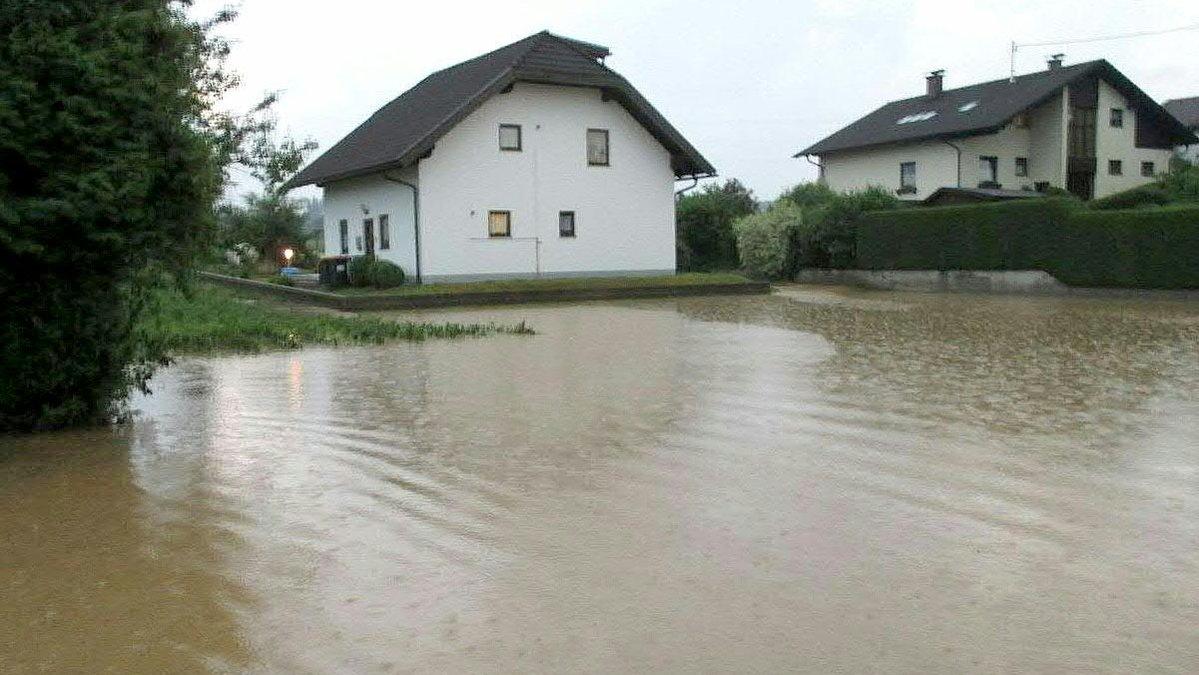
[(386, 274), (764, 240), (281, 280), (827, 237), (1152, 194), (808, 195), (704, 226), (360, 269), (1144, 248)]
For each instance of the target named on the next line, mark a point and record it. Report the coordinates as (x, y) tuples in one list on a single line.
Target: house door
[(1081, 183), (368, 235)]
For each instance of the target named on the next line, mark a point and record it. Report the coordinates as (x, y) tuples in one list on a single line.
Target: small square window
[(1147, 169), (510, 137), (597, 147), (1117, 118), (384, 231), (1022, 166), (499, 223), (566, 223), (343, 230), (1115, 167)]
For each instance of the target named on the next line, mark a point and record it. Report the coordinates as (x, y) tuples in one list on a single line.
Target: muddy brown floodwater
[(814, 481)]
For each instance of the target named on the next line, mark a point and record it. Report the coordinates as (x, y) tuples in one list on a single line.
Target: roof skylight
[(967, 107), (918, 117)]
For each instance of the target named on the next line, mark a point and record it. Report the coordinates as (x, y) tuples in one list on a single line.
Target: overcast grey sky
[(748, 83)]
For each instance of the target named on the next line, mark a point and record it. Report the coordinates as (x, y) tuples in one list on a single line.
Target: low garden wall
[(1152, 248), (400, 300)]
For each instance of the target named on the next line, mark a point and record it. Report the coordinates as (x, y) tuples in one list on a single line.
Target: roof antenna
[(1012, 75)]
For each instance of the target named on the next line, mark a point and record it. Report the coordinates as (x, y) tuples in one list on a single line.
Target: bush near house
[(1143, 248), (766, 241), (808, 226), (1180, 186), (367, 270), (704, 226)]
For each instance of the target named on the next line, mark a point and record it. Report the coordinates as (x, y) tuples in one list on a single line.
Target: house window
[(1022, 166), (343, 229), (597, 147), (499, 223), (988, 169), (1115, 167), (384, 231), (907, 178), (1117, 118), (510, 137), (566, 223), (1147, 169)]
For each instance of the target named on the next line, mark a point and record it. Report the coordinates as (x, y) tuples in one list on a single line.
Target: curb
[(350, 303)]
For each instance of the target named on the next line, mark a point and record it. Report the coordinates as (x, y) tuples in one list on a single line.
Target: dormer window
[(510, 137)]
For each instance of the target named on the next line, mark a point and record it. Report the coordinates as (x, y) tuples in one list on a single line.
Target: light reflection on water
[(806, 481)]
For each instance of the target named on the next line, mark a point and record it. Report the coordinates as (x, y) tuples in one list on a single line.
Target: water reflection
[(809, 481)]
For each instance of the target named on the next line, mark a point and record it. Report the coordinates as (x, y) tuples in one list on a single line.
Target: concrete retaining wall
[(1022, 281), (398, 301), (1025, 282)]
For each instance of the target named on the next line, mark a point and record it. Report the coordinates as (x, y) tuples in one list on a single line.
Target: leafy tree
[(111, 157), (704, 225), (267, 221)]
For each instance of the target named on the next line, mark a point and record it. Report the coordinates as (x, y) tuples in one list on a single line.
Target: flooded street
[(812, 481)]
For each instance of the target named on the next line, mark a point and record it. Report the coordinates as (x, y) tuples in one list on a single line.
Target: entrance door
[(368, 235), (1081, 183)]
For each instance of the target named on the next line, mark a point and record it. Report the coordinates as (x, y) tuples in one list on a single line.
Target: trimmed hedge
[(1144, 248)]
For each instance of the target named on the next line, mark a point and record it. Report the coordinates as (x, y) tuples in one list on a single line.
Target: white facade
[(1039, 138), (624, 212), (1117, 144)]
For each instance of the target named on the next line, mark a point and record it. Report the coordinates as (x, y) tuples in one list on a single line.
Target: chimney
[(1055, 61), (934, 80)]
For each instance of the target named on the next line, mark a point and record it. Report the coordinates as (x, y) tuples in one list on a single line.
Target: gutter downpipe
[(415, 218), (819, 168), (959, 151), (678, 194)]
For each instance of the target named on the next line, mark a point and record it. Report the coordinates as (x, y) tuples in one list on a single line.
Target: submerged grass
[(212, 320), (569, 283)]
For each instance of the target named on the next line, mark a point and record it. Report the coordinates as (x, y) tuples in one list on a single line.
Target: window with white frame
[(499, 223), (988, 169), (384, 231), (510, 137), (566, 223), (343, 230), (1022, 166), (597, 147), (907, 177)]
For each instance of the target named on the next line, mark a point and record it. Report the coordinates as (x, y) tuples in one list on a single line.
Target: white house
[(1085, 128), (535, 159)]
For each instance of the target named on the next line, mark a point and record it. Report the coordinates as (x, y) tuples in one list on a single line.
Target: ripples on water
[(808, 481)]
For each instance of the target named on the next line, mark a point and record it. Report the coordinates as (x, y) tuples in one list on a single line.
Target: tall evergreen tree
[(111, 157)]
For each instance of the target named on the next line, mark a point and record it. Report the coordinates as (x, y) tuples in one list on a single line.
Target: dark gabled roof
[(404, 130), (995, 103), (1185, 110)]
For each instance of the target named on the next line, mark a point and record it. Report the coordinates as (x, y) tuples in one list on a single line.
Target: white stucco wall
[(624, 212), (1120, 143), (347, 199), (936, 166), (936, 162)]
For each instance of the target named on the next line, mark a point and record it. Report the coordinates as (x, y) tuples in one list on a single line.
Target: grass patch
[(570, 283), (213, 320)]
